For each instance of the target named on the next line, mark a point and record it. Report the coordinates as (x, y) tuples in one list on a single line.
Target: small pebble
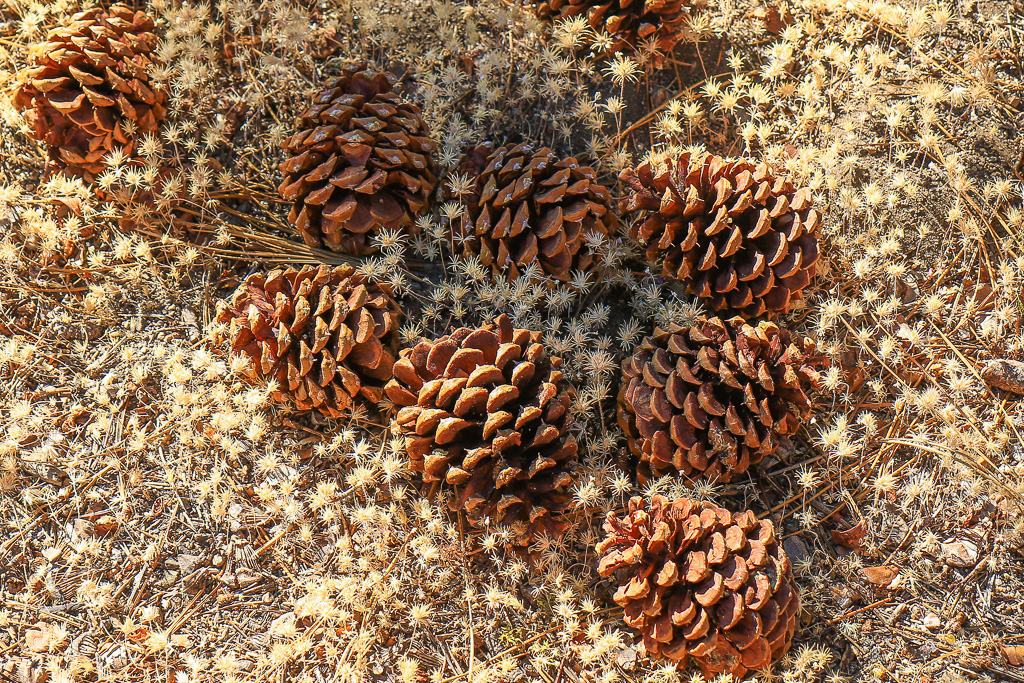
[(795, 549), (1007, 375)]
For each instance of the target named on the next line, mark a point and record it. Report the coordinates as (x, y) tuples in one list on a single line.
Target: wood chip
[(960, 553)]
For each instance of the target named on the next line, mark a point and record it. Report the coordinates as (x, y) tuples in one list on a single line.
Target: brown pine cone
[(358, 163), (486, 410), (738, 237), (711, 399), (629, 24), (530, 206), (90, 91), (325, 335), (699, 582)]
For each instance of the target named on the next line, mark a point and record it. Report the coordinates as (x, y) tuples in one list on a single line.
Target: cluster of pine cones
[(484, 411), (360, 163)]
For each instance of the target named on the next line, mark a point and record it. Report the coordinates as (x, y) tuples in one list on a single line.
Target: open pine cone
[(739, 237), (711, 399), (700, 582), (529, 206), (325, 335), (90, 90), (359, 163), (629, 24), (486, 410)]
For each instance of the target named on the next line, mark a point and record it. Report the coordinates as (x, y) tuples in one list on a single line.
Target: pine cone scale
[(80, 103), (359, 164), (696, 611), (759, 264), (708, 400)]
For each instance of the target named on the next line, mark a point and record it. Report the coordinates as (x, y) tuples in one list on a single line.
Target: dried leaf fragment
[(106, 525), (852, 538), (40, 637), (879, 576), (774, 19), (960, 553), (1013, 654)]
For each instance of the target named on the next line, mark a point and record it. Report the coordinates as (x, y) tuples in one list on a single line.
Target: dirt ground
[(161, 519)]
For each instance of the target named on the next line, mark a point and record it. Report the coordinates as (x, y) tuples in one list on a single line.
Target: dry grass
[(160, 520)]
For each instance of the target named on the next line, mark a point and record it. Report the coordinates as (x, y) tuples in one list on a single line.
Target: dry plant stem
[(513, 649), (971, 464), (647, 118), (861, 610), (369, 610), (947, 65), (977, 375), (469, 601), (994, 480)]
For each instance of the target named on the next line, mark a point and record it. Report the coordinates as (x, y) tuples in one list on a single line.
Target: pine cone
[(739, 237), (360, 162), (325, 335), (629, 24), (530, 206), (90, 91), (486, 410), (711, 399), (699, 582)]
